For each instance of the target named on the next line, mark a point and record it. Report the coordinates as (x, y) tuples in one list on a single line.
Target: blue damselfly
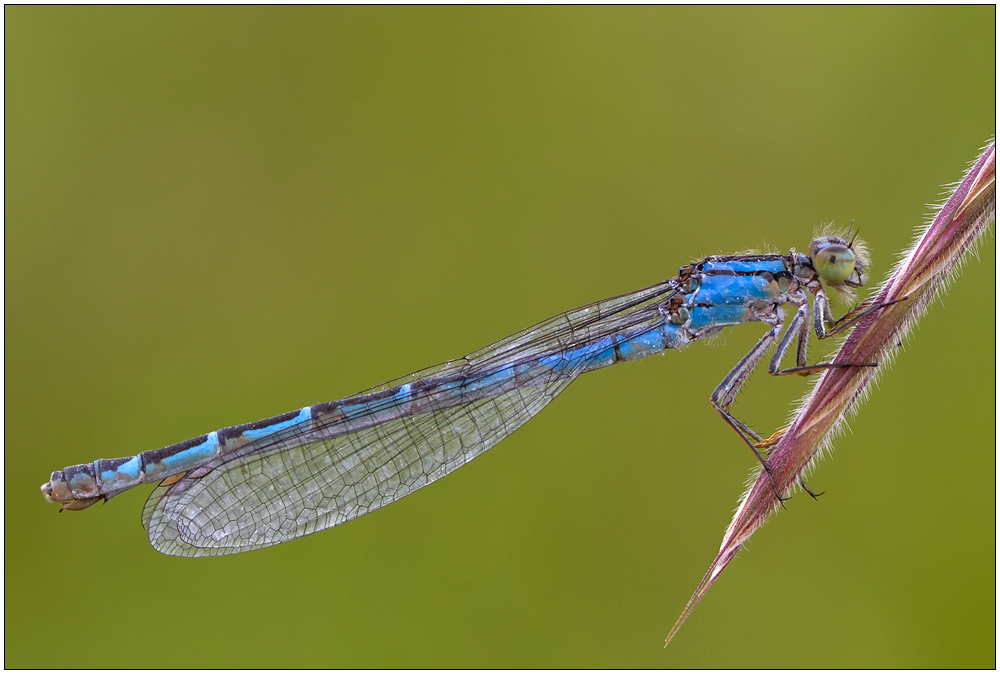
[(251, 486)]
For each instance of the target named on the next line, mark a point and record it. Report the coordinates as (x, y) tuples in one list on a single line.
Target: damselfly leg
[(725, 394)]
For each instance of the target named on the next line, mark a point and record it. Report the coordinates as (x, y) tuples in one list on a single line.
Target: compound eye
[(834, 263)]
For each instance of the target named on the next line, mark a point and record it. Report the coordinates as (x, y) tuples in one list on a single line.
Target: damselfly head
[(839, 263)]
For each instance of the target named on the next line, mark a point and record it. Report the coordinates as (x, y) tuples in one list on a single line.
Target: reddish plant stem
[(921, 275)]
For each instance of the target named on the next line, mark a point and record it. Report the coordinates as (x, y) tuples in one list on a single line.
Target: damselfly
[(251, 486)]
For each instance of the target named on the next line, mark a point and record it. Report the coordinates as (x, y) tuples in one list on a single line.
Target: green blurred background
[(216, 215)]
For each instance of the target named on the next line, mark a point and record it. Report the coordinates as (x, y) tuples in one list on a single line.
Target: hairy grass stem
[(922, 274)]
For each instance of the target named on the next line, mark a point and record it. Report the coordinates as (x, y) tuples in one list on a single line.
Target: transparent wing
[(308, 479), (274, 497)]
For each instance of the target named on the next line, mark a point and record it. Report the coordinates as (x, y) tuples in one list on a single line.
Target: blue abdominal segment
[(256, 434), (161, 463)]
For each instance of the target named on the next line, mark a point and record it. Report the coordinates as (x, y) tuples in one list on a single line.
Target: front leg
[(799, 326), (823, 315)]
